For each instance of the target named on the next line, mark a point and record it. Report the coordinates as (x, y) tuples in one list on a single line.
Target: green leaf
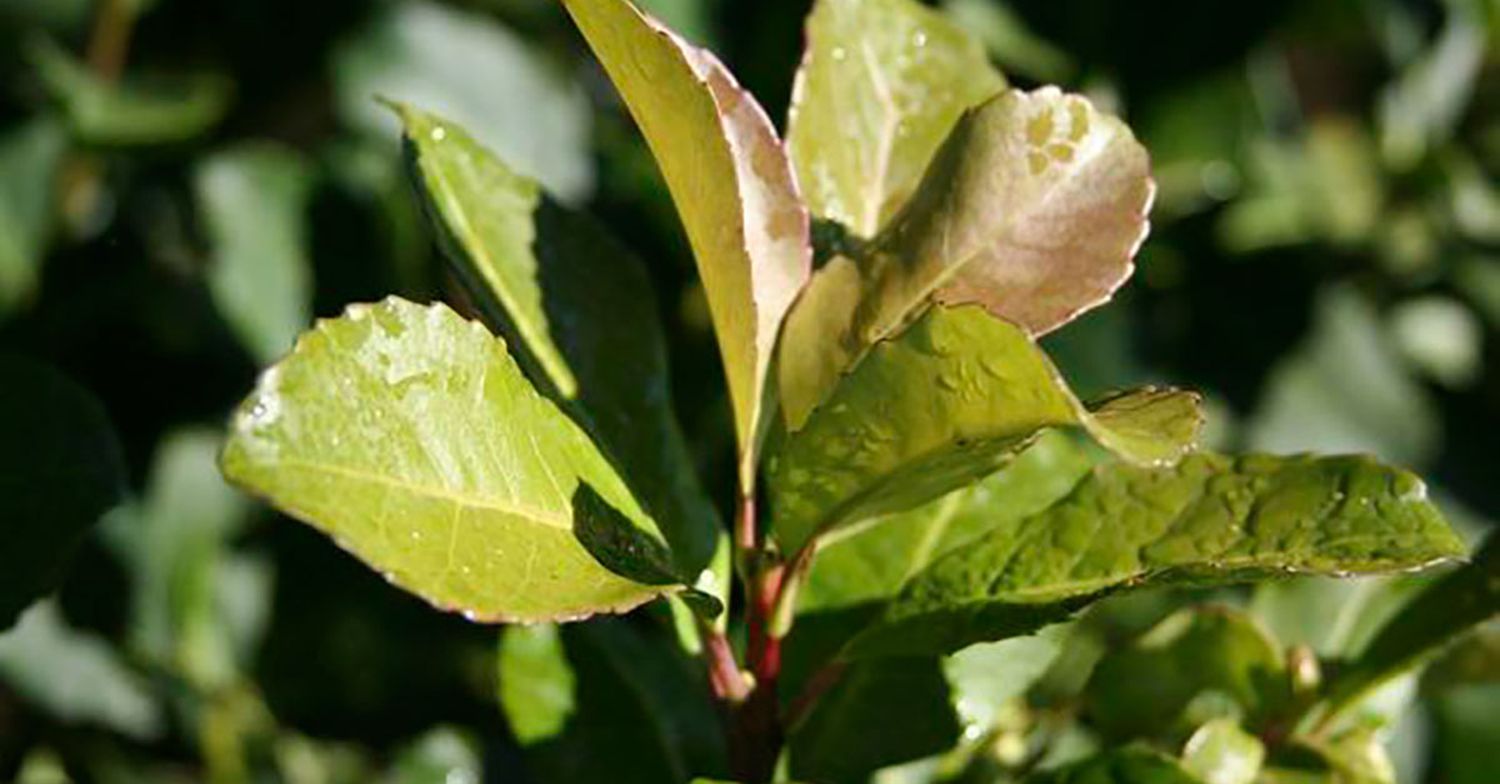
[(731, 182), (1335, 617), (582, 698), (579, 312), (1032, 208), (1353, 758), (60, 469), (526, 108), (880, 713), (986, 677), (1210, 520), (197, 608), (1346, 390), (868, 563), (1222, 753), (151, 110), (947, 401), (1467, 733), (253, 201), (76, 676), (29, 159), (443, 755), (1147, 688), (882, 82), (410, 436), (1126, 765), (860, 567), (1452, 605)]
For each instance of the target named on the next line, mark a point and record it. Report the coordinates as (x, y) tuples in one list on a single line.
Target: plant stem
[(110, 39)]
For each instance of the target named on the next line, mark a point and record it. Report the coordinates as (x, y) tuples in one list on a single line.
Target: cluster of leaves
[(922, 518)]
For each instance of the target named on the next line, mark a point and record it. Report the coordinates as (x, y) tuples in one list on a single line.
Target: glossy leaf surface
[(1220, 752), (410, 436), (1211, 519), (732, 184), (945, 402), (881, 84), (579, 312), (253, 203), (1032, 208)]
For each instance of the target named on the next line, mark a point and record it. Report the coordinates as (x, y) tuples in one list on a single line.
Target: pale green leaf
[(583, 698), (61, 469), (1220, 752), (75, 676), (1032, 208), (253, 202), (145, 110), (947, 401), (29, 159), (882, 82), (411, 437), (986, 677), (1334, 617), (1345, 390), (197, 608), (580, 314), (1211, 519), (443, 755), (732, 184), (528, 110)]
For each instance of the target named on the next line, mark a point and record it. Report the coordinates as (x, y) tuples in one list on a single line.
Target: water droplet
[(919, 39), (470, 616), (416, 536), (439, 133), (839, 54)]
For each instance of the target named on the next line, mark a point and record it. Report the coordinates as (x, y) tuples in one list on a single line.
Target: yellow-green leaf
[(733, 186), (580, 314), (943, 403), (1211, 519), (411, 437), (881, 84), (1032, 208)]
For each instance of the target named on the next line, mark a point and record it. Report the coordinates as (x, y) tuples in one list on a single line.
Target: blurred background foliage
[(185, 184)]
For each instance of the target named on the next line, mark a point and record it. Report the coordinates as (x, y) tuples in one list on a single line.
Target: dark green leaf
[(947, 401), (879, 713), (253, 202), (163, 109), (580, 315), (1146, 688), (733, 187), (882, 82), (1210, 520), (410, 436), (1127, 765), (60, 470), (584, 699), (1454, 604)]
